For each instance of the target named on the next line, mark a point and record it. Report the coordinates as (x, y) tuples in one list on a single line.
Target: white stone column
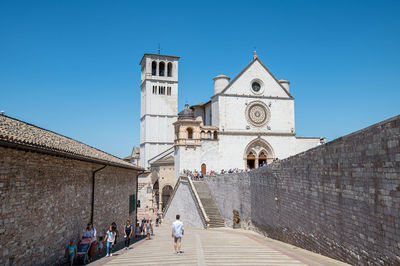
[(157, 73)]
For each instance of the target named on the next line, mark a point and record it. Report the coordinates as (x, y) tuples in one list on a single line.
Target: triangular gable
[(245, 69)]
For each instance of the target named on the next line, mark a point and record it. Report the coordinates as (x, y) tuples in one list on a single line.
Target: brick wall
[(46, 200), (341, 199)]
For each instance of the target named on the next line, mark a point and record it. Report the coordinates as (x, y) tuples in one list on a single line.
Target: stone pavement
[(222, 246)]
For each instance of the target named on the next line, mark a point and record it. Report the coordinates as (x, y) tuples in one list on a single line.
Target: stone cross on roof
[(255, 53)]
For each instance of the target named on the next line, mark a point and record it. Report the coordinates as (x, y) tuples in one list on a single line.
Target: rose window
[(257, 113)]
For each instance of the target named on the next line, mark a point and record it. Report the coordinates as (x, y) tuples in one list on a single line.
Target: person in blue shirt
[(71, 251)]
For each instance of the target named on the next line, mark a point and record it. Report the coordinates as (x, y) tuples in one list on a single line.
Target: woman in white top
[(110, 238), (90, 232)]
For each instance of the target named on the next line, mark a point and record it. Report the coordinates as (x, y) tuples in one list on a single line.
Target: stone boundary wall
[(46, 200), (341, 199)]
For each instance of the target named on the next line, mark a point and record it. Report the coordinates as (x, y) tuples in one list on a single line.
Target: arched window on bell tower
[(161, 69), (154, 68), (169, 69)]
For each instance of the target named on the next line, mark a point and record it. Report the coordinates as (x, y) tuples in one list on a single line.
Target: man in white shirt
[(177, 233)]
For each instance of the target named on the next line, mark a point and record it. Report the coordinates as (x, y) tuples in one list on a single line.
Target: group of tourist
[(230, 171), (144, 228), (110, 238), (194, 175), (198, 176)]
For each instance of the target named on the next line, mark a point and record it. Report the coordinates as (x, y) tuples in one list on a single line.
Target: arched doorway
[(166, 194), (251, 161), (258, 152), (203, 169)]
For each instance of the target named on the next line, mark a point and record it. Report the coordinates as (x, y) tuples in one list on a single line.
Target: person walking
[(177, 234), (90, 232), (151, 227), (114, 225), (137, 236), (142, 229), (159, 219), (128, 230), (148, 228), (110, 238), (71, 252)]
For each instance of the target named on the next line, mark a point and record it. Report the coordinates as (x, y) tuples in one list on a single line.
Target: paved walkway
[(221, 246)]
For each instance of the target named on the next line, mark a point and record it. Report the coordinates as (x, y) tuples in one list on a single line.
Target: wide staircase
[(209, 204)]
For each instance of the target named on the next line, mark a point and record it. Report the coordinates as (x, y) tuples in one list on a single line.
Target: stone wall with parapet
[(341, 199), (46, 200), (183, 203)]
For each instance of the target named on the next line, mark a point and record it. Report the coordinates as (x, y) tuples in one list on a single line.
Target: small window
[(256, 86), (168, 90), (169, 69), (161, 90), (154, 89), (154, 68), (161, 69), (132, 203), (189, 133), (215, 135)]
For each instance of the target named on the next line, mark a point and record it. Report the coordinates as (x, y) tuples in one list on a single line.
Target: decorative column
[(160, 200)]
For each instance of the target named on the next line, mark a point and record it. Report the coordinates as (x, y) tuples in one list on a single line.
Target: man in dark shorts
[(177, 233)]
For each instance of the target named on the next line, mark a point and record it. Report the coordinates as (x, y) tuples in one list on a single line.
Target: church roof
[(160, 55), (244, 70), (199, 104), (18, 134), (186, 113), (164, 161)]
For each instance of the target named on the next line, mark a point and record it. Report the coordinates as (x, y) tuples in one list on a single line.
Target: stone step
[(216, 226), (217, 222), (215, 218), (208, 203)]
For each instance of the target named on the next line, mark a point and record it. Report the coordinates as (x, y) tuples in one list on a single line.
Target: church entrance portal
[(203, 169), (258, 153)]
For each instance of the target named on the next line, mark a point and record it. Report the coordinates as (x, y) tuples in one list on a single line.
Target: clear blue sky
[(73, 66)]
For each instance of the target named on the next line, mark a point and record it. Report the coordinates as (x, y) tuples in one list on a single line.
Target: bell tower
[(158, 104)]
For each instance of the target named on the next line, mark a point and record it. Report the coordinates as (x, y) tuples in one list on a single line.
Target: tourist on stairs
[(177, 233)]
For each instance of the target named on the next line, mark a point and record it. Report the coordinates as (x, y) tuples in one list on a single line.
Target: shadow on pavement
[(120, 245)]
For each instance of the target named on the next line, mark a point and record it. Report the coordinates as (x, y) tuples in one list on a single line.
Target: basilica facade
[(248, 122)]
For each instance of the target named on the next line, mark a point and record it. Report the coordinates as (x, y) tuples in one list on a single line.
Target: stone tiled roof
[(16, 133)]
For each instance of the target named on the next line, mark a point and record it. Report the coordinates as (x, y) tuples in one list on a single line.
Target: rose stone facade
[(248, 121)]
